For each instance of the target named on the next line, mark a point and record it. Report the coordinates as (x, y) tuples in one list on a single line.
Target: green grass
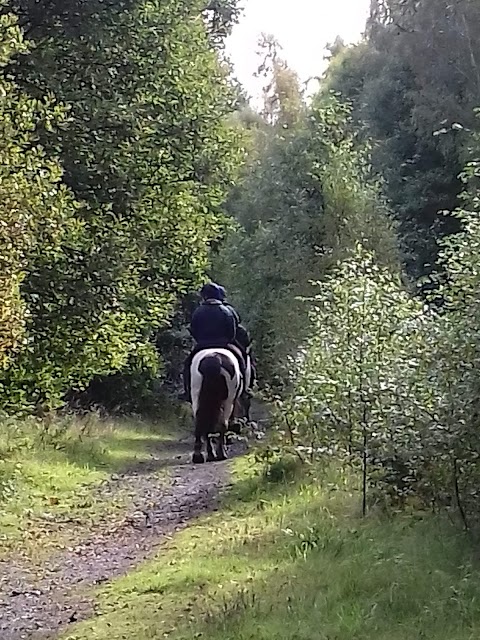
[(298, 562), (49, 478)]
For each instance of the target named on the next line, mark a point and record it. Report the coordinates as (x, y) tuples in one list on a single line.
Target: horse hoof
[(236, 428), (221, 456), (211, 458), (198, 458)]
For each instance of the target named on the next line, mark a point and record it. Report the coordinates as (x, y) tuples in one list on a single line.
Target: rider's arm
[(235, 313), (230, 326), (195, 325)]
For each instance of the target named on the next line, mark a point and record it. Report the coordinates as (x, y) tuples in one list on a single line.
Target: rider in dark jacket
[(213, 325)]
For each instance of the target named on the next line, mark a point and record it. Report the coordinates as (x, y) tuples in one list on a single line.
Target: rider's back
[(212, 323)]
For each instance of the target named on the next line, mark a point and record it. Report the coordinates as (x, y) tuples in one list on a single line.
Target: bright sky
[(303, 28)]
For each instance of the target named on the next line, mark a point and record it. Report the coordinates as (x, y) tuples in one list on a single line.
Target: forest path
[(38, 601)]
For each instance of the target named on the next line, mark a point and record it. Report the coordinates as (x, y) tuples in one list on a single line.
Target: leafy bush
[(353, 377), (389, 385), (35, 208)]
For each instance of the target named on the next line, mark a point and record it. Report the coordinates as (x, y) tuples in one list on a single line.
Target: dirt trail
[(37, 603)]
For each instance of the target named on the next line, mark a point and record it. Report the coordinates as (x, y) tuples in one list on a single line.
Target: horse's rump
[(215, 383), (214, 386), (211, 364)]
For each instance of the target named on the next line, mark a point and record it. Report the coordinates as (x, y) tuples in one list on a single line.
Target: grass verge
[(296, 561), (50, 475)]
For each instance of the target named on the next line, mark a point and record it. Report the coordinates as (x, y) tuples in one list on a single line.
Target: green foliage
[(414, 84), (390, 386), (356, 377), (34, 207), (373, 376), (129, 211), (283, 104), (305, 200), (277, 467)]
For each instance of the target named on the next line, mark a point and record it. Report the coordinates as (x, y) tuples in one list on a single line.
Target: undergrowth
[(290, 557)]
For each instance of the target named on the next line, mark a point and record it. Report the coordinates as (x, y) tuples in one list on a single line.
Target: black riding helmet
[(212, 291)]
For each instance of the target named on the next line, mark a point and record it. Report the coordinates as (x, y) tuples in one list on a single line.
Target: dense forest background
[(355, 258), (345, 227), (399, 110)]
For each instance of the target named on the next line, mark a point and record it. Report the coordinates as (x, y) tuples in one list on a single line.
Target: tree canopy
[(143, 155), (414, 85)]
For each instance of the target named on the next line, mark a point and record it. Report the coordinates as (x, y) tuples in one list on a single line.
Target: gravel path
[(38, 603)]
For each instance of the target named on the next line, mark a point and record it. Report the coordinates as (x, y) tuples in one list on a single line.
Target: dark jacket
[(242, 336), (213, 324), (233, 311)]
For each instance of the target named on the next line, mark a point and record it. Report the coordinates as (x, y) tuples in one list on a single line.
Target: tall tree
[(414, 84), (35, 209), (303, 204), (283, 102), (149, 153)]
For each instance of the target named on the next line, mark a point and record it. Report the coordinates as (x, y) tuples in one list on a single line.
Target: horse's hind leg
[(248, 406), (197, 450), (221, 448), (210, 452)]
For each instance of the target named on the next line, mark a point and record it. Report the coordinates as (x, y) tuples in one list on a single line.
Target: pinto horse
[(216, 385)]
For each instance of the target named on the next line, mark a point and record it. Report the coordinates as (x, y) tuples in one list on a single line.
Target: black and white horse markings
[(216, 385)]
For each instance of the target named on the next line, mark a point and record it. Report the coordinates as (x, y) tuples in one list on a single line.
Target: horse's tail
[(213, 394), (210, 367)]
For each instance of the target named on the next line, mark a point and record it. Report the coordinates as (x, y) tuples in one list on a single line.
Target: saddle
[(238, 353), (246, 367)]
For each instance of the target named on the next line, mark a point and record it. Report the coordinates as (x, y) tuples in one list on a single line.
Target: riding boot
[(186, 396), (254, 374)]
